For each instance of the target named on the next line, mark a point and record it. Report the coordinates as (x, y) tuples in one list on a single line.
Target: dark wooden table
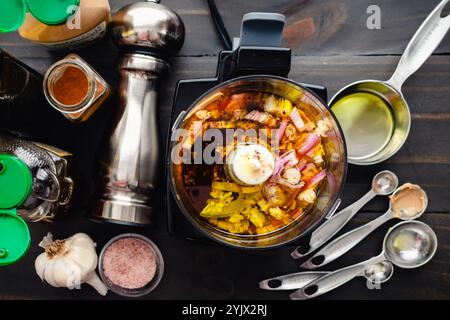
[(331, 46)]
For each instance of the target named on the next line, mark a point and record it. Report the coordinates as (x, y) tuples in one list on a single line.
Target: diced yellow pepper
[(257, 218), (214, 210), (253, 189), (263, 204), (277, 213), (249, 201), (225, 225), (213, 222), (265, 229), (226, 186), (285, 107), (235, 218), (216, 113)]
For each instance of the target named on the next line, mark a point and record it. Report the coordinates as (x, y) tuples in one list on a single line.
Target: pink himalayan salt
[(129, 263)]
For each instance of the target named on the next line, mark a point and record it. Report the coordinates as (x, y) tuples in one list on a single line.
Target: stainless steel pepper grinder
[(147, 33)]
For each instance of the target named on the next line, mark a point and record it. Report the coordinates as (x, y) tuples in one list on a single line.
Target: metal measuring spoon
[(408, 202), (408, 245), (379, 273), (383, 183), (367, 142)]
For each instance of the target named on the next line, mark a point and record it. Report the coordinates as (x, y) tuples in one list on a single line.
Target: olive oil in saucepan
[(367, 122)]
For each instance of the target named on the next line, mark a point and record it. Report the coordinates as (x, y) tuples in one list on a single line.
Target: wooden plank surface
[(314, 27), (339, 51), (201, 271)]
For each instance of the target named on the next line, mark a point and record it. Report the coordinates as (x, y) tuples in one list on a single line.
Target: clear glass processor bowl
[(139, 291), (335, 158)]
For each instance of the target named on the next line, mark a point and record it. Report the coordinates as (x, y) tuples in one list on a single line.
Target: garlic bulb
[(69, 263)]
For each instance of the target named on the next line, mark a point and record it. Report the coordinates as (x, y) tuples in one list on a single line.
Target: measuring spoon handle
[(331, 226), (344, 243), (422, 45), (291, 281), (334, 279)]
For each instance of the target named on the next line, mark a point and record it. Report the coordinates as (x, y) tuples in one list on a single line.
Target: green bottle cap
[(12, 14), (16, 182), (14, 237), (52, 11)]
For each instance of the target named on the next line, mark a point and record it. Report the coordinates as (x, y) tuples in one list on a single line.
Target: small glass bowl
[(139, 292)]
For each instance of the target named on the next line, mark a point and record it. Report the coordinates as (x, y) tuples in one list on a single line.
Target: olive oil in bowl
[(367, 121)]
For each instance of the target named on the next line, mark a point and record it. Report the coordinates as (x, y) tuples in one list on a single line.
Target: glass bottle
[(22, 101), (74, 88)]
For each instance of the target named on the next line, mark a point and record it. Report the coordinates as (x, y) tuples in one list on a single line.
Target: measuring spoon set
[(407, 202)]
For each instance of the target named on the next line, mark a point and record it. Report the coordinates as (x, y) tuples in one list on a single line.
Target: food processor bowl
[(335, 159)]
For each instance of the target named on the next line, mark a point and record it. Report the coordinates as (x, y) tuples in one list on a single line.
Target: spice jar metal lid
[(51, 12)]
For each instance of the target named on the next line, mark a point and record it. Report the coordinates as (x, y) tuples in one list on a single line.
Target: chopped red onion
[(311, 141), (257, 116), (285, 183), (297, 120), (316, 179), (301, 164), (281, 130), (288, 158)]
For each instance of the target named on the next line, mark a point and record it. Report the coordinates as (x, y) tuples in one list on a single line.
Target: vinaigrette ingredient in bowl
[(71, 87), (409, 201), (129, 263)]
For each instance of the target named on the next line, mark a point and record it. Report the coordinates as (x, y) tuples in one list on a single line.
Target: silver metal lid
[(150, 27)]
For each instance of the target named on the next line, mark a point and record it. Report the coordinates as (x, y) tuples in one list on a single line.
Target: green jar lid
[(16, 182), (14, 237), (12, 14), (52, 11)]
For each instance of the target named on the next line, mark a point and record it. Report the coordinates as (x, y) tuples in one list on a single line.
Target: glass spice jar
[(74, 88)]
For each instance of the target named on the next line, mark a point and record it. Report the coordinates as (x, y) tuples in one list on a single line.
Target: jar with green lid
[(56, 24)]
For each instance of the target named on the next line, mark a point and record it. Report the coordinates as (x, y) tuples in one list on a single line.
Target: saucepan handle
[(422, 45)]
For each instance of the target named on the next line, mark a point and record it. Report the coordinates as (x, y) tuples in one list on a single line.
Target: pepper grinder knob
[(148, 27), (147, 33)]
